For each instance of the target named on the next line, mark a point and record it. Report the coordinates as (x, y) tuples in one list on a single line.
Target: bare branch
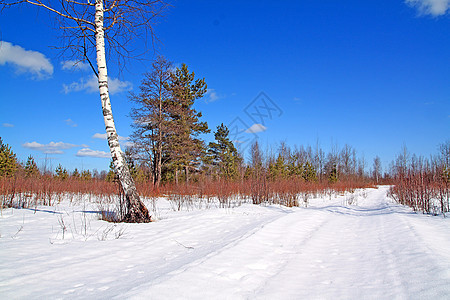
[(67, 16), (81, 3)]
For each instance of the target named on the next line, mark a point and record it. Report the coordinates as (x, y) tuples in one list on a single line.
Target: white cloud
[(74, 65), (430, 7), (8, 125), (211, 95), (255, 128), (117, 86), (51, 148), (70, 123), (90, 85), (25, 61), (86, 152), (128, 144), (102, 136)]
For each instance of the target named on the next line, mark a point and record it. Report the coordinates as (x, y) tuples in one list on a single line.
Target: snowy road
[(373, 250)]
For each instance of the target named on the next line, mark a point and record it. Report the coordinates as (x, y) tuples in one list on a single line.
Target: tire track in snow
[(366, 253), (258, 256)]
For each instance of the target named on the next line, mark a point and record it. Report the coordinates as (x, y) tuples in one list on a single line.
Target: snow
[(371, 249)]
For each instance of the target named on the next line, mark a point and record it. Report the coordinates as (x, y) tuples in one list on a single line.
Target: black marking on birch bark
[(106, 112)]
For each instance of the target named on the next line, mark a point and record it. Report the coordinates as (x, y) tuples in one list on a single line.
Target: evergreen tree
[(185, 148), (142, 174), (333, 175), (130, 160), (8, 161), (271, 171), (248, 173), (61, 173), (86, 175), (31, 169), (223, 155), (111, 176), (294, 168), (76, 174), (309, 172), (280, 167)]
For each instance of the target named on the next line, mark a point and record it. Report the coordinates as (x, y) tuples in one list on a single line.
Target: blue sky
[(372, 74)]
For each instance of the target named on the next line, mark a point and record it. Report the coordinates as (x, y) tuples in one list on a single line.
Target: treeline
[(285, 176)]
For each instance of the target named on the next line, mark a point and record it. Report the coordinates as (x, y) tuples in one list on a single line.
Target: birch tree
[(95, 28), (377, 168)]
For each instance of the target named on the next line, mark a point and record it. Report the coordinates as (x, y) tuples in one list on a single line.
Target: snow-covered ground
[(373, 249)]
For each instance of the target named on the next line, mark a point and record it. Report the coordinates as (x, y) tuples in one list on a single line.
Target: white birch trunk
[(136, 210)]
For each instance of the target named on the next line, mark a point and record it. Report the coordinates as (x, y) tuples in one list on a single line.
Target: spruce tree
[(130, 160), (31, 169), (333, 175), (61, 173), (8, 161), (294, 167), (223, 155), (86, 175), (309, 172), (111, 176), (280, 167), (76, 174)]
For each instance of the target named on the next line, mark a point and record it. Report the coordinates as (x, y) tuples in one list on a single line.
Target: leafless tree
[(151, 115), (95, 28), (377, 169)]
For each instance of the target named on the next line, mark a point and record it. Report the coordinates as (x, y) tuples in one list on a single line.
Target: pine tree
[(130, 160), (294, 168), (76, 174), (61, 173), (31, 169), (280, 167), (86, 175), (309, 172), (184, 147), (333, 175), (111, 176), (248, 173), (142, 174), (223, 155), (8, 161)]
